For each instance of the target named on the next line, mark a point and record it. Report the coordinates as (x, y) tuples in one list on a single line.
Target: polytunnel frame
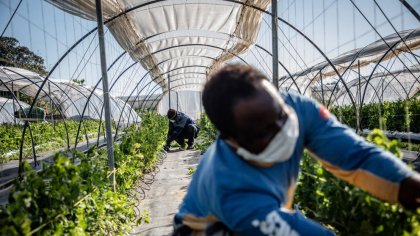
[(129, 67), (156, 1), (354, 60), (58, 107), (244, 4)]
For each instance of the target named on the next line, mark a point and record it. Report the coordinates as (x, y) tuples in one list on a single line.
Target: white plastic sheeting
[(166, 35), (8, 107), (70, 98), (188, 102), (372, 53), (390, 86)]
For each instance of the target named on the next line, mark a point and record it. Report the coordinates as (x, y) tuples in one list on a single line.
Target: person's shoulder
[(297, 100)]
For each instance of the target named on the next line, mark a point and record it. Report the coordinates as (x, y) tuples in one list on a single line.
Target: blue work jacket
[(250, 200)]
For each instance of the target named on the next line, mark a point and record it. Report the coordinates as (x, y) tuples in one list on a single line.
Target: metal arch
[(168, 32), (153, 80), (77, 43), (376, 31), (89, 97), (154, 89), (119, 119), (394, 77), (203, 45), (256, 8), (138, 94), (57, 106), (376, 66), (225, 34), (152, 3), (30, 129), (281, 64)]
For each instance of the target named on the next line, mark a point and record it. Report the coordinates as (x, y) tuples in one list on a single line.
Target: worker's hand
[(409, 194)]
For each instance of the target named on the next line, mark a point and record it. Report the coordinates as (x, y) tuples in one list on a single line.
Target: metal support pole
[(14, 108), (51, 104), (169, 91), (358, 108), (274, 24), (177, 101), (322, 88), (109, 141), (201, 103), (410, 9)]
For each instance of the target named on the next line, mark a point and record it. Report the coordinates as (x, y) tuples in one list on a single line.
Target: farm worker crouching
[(181, 127), (245, 181)]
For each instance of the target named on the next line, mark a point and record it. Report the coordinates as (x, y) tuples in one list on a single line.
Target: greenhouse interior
[(94, 92)]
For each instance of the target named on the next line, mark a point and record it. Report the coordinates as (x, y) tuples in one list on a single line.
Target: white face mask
[(281, 147)]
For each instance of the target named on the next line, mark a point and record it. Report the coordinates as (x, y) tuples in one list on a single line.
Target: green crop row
[(346, 209), (68, 199), (46, 136), (207, 133), (400, 116)]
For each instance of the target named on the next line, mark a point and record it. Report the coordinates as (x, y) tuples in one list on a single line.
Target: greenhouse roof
[(183, 40), (72, 99)]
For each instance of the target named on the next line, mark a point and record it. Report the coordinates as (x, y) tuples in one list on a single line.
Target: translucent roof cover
[(8, 107), (73, 100), (179, 40), (372, 53)]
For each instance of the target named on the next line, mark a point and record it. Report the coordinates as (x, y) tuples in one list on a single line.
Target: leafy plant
[(396, 116), (46, 136), (207, 135), (191, 171), (347, 209), (69, 199)]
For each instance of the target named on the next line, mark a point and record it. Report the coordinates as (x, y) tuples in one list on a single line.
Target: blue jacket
[(249, 200), (181, 121)]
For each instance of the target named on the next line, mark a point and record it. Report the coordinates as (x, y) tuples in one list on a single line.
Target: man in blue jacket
[(181, 127), (245, 181)]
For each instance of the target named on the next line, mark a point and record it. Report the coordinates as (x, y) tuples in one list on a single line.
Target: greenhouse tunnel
[(85, 87)]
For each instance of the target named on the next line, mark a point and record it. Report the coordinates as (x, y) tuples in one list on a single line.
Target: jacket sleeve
[(348, 156), (179, 125), (257, 214)]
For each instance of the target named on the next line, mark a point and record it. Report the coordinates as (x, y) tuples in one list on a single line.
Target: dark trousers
[(189, 132)]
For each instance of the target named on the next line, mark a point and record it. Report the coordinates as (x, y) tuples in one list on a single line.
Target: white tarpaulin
[(170, 35), (69, 97)]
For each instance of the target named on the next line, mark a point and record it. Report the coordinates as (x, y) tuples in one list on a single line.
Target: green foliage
[(349, 210), (378, 137), (191, 171), (11, 54), (208, 133), (79, 81), (68, 199), (396, 116), (137, 154), (47, 137)]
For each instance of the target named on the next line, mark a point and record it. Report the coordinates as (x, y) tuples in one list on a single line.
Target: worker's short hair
[(224, 89), (171, 113)]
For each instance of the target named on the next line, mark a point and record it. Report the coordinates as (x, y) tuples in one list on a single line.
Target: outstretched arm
[(356, 161)]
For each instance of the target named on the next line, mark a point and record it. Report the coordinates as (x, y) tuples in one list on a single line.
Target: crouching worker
[(245, 181), (181, 127)]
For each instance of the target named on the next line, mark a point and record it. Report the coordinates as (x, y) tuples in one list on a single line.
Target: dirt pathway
[(166, 192)]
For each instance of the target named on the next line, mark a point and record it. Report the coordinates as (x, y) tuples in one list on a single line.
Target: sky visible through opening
[(334, 25)]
